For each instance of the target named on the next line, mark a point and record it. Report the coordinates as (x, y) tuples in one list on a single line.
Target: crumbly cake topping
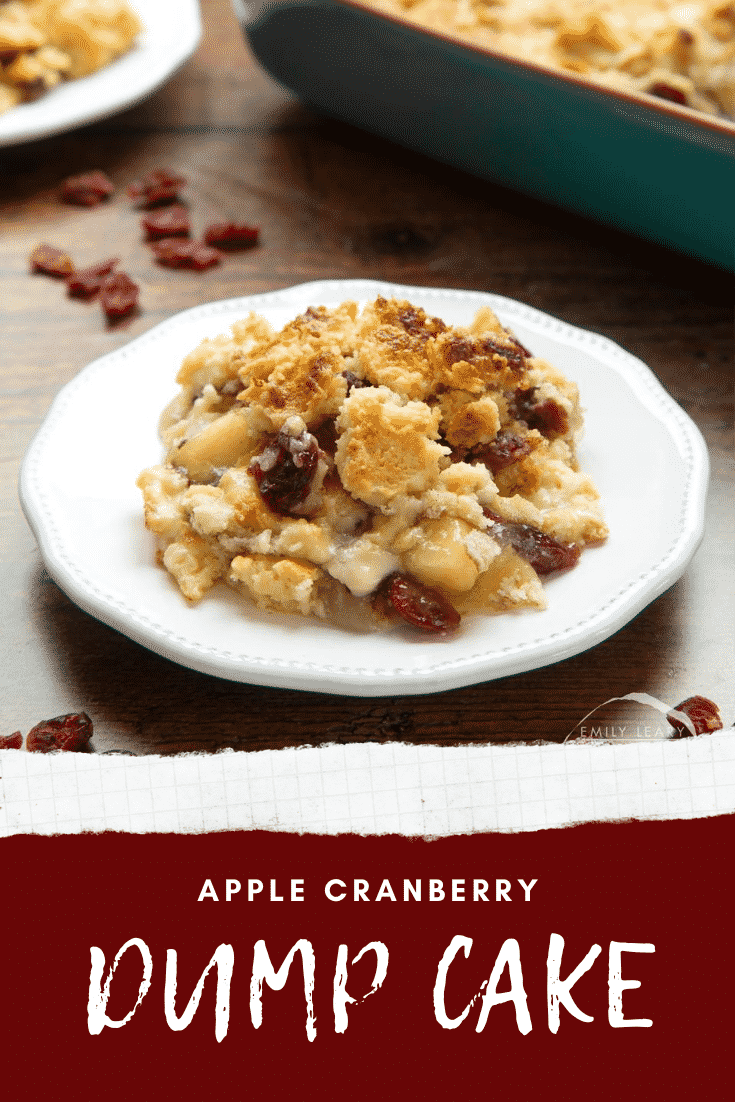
[(44, 42), (683, 53), (370, 467)]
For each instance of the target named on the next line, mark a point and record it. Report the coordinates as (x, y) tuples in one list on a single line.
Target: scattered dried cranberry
[(86, 282), (118, 295), (87, 190), (284, 470), (419, 605), (547, 416), (544, 553), (505, 449), (702, 712), (51, 261), (156, 187), (70, 732), (11, 742), (172, 221), (231, 235), (173, 252), (665, 91)]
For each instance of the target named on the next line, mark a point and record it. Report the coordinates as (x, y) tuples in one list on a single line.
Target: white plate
[(79, 495), (171, 33)]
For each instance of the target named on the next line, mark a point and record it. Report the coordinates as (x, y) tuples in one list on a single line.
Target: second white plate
[(171, 33), (78, 492)]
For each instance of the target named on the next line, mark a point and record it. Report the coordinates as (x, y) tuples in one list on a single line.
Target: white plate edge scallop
[(72, 104), (320, 677)]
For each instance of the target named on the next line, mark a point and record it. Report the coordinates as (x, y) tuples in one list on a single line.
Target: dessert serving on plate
[(43, 42), (371, 467), (77, 488)]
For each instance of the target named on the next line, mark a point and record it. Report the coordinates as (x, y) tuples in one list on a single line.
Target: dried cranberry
[(547, 416), (172, 221), (665, 91), (702, 712), (87, 190), (327, 436), (70, 732), (505, 449), (11, 742), (418, 604), (414, 320), (31, 90), (353, 382), (472, 350), (173, 252), (521, 347), (231, 235), (544, 553), (51, 261), (86, 282), (156, 187), (284, 470), (118, 295)]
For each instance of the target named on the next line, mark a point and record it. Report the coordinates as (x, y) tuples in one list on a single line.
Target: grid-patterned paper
[(369, 789)]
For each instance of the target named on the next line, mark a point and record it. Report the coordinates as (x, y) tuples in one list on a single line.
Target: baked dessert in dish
[(371, 467), (684, 53), (43, 42)]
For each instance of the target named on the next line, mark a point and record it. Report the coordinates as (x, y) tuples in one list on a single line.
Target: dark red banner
[(594, 962)]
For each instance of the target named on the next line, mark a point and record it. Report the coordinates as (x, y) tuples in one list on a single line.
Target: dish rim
[(444, 674), (721, 125)]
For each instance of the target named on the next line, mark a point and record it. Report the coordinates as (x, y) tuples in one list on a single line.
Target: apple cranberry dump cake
[(44, 42), (682, 52), (371, 468)]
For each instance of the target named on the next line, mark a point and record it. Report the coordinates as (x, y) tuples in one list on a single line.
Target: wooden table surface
[(335, 203)]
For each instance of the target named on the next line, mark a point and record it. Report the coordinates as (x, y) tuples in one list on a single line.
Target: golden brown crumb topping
[(684, 53), (368, 466)]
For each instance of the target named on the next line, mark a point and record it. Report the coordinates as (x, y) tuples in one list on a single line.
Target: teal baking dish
[(646, 166)]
